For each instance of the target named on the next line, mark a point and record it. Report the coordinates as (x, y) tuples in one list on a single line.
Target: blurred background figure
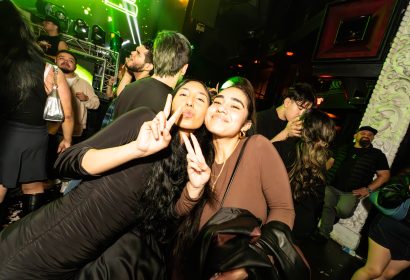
[(25, 81)]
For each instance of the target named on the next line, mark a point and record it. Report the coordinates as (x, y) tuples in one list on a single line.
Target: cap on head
[(53, 20), (368, 128)]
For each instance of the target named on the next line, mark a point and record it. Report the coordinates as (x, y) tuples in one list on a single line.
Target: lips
[(219, 117), (187, 114)]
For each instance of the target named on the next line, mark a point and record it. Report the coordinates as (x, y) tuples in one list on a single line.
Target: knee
[(372, 271), (389, 274)]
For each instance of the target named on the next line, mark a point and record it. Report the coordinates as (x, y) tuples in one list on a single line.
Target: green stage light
[(128, 7)]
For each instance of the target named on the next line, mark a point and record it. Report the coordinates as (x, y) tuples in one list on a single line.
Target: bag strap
[(47, 70), (234, 170), (55, 86)]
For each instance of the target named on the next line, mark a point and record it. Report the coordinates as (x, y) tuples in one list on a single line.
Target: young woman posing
[(260, 184), (56, 241)]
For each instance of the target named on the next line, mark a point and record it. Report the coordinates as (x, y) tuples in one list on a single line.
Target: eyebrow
[(232, 98), (200, 92)]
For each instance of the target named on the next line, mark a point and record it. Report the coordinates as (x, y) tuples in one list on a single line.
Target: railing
[(106, 61)]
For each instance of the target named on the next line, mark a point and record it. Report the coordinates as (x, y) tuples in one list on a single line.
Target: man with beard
[(82, 91), (137, 66), (351, 178), (171, 54)]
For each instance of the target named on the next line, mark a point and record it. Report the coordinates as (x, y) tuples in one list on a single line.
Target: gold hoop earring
[(242, 134)]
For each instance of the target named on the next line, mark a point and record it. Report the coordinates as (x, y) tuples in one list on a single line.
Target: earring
[(242, 134)]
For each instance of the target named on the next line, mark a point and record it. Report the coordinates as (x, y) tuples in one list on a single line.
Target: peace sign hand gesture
[(154, 135), (198, 171)]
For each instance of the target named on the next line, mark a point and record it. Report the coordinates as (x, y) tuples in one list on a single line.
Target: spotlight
[(98, 35), (80, 29), (115, 41)]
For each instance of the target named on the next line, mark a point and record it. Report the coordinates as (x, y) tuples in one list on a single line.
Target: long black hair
[(21, 60), (167, 181)]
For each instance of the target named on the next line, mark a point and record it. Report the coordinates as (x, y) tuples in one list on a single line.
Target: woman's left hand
[(236, 274), (198, 171), (154, 135)]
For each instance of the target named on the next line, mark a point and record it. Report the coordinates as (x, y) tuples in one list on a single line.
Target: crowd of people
[(171, 155)]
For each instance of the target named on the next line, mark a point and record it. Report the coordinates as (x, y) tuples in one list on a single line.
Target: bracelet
[(369, 190)]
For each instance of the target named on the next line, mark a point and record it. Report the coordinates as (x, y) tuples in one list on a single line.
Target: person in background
[(171, 55), (26, 80), (350, 178), (137, 66), (83, 93), (389, 236), (306, 165), (282, 122), (261, 184), (51, 42)]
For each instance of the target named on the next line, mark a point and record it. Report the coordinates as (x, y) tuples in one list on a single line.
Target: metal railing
[(106, 61)]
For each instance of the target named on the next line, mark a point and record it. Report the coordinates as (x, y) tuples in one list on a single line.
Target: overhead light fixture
[(98, 35), (80, 29), (115, 41), (128, 7)]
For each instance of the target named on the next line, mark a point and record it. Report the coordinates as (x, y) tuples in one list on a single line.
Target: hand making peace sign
[(198, 171), (154, 135)]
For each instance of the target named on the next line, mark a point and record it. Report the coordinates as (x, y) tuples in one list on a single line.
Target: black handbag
[(232, 239)]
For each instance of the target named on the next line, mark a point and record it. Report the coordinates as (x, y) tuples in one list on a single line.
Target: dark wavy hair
[(21, 60), (312, 153), (167, 181)]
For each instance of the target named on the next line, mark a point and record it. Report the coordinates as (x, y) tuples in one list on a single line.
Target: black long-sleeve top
[(58, 239)]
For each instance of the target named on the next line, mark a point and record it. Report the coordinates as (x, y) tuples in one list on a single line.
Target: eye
[(182, 94), (201, 99), (217, 102), (236, 107)]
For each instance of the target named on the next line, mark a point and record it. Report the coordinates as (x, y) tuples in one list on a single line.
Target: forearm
[(68, 127), (92, 101), (283, 215), (124, 81), (378, 182), (185, 203), (97, 161), (283, 135)]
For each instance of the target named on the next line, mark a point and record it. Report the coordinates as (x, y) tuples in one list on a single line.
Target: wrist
[(369, 190), (194, 192)]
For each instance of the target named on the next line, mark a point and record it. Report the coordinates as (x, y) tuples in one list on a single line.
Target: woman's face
[(228, 113), (195, 101)]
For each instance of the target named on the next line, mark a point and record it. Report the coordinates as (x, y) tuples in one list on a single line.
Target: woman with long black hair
[(25, 81), (76, 230)]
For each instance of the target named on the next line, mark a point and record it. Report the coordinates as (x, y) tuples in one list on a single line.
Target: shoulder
[(141, 113), (267, 112), (260, 143)]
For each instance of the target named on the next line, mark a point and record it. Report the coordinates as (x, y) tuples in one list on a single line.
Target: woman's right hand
[(154, 135), (198, 171)]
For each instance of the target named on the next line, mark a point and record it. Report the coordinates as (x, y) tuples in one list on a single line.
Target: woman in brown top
[(261, 183)]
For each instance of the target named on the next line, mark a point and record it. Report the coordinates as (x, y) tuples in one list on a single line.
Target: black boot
[(32, 202)]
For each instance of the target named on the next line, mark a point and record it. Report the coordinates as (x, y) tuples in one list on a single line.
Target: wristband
[(369, 190)]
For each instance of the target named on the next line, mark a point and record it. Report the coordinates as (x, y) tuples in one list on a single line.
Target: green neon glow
[(84, 74), (129, 8)]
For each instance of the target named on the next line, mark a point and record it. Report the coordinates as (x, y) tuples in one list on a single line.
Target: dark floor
[(327, 261)]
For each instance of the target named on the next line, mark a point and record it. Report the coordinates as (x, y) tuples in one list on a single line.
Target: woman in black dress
[(57, 240)]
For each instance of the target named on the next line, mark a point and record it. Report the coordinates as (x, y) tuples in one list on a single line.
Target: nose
[(220, 109), (189, 102)]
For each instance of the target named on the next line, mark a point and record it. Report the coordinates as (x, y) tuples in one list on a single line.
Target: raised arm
[(120, 143)]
